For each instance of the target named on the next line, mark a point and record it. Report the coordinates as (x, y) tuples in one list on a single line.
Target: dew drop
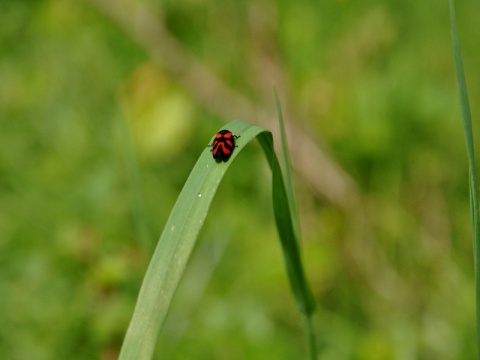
[(199, 195), (172, 228)]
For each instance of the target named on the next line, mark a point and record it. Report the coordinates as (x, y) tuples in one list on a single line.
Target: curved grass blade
[(286, 230), (181, 231), (468, 132), (311, 343)]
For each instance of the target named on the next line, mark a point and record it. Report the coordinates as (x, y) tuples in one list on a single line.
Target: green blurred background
[(105, 106)]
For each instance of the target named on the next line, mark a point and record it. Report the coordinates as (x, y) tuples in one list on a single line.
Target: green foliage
[(370, 84), (181, 232), (473, 183)]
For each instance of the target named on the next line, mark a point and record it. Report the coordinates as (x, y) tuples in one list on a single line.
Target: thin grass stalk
[(290, 192), (287, 167), (473, 183)]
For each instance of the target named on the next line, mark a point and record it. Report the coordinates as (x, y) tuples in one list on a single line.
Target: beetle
[(223, 145)]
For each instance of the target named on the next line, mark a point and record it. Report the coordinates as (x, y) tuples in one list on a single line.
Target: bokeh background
[(105, 106)]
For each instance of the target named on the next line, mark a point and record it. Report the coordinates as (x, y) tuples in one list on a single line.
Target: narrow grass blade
[(306, 293), (286, 166), (180, 233), (468, 131), (286, 230)]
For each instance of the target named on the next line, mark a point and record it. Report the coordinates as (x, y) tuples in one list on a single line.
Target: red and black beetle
[(223, 145)]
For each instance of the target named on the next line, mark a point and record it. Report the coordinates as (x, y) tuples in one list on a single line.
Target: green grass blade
[(468, 131), (179, 236), (286, 230), (286, 166), (306, 294)]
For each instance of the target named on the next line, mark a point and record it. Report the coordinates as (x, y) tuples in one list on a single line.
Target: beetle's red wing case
[(223, 145)]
